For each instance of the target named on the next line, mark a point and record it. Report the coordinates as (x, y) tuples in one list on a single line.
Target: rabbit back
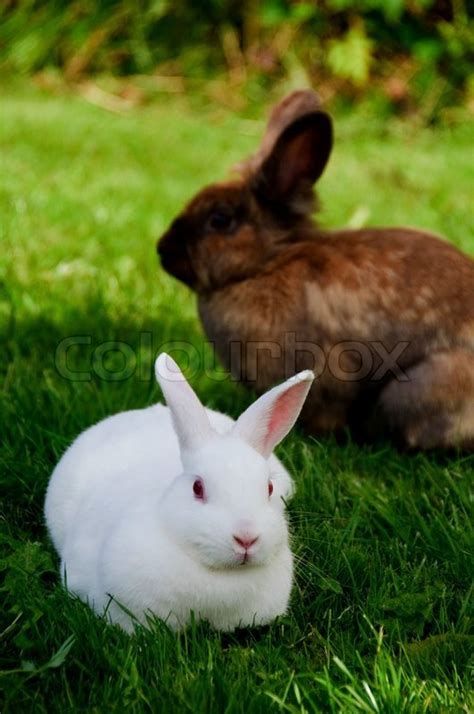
[(372, 285), (125, 455)]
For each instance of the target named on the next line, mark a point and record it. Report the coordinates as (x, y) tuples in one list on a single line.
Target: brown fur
[(276, 295)]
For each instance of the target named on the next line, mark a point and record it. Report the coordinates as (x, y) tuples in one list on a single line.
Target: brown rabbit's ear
[(290, 108), (296, 161)]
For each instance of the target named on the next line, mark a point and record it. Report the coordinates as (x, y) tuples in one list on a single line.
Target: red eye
[(270, 489), (198, 489)]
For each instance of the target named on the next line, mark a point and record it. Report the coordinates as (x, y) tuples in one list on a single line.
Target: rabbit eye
[(198, 489), (270, 488), (221, 221)]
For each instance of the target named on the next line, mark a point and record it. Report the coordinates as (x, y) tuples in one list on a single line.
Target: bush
[(410, 50)]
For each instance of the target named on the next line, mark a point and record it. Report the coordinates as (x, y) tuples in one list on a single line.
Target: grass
[(381, 613)]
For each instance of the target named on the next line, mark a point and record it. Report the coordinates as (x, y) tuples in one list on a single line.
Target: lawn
[(381, 613)]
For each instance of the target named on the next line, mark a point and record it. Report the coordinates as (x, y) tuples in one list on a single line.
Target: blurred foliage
[(410, 52)]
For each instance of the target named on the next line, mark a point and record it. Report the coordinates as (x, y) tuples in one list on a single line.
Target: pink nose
[(245, 541)]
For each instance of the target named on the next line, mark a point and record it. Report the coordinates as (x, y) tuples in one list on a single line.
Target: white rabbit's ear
[(189, 416), (268, 420)]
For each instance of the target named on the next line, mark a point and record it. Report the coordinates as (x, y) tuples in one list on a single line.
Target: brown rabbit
[(385, 316)]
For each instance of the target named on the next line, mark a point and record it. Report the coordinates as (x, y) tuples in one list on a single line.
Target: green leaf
[(350, 58), (59, 657)]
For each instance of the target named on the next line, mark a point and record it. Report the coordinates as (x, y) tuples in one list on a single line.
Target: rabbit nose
[(245, 541)]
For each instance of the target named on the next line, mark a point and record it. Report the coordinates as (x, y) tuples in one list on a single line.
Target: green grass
[(381, 613)]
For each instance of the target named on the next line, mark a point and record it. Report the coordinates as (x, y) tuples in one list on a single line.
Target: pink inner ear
[(297, 164), (284, 413)]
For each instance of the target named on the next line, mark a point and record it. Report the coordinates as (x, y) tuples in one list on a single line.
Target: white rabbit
[(175, 510)]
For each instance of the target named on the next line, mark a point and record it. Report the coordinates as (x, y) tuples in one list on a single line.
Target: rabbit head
[(229, 229), (224, 508)]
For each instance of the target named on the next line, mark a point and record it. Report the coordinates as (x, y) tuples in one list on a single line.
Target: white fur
[(130, 532)]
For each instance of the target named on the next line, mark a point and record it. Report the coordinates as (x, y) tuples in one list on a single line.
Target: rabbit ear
[(268, 420), (190, 420), (290, 108), (296, 161), (285, 112)]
